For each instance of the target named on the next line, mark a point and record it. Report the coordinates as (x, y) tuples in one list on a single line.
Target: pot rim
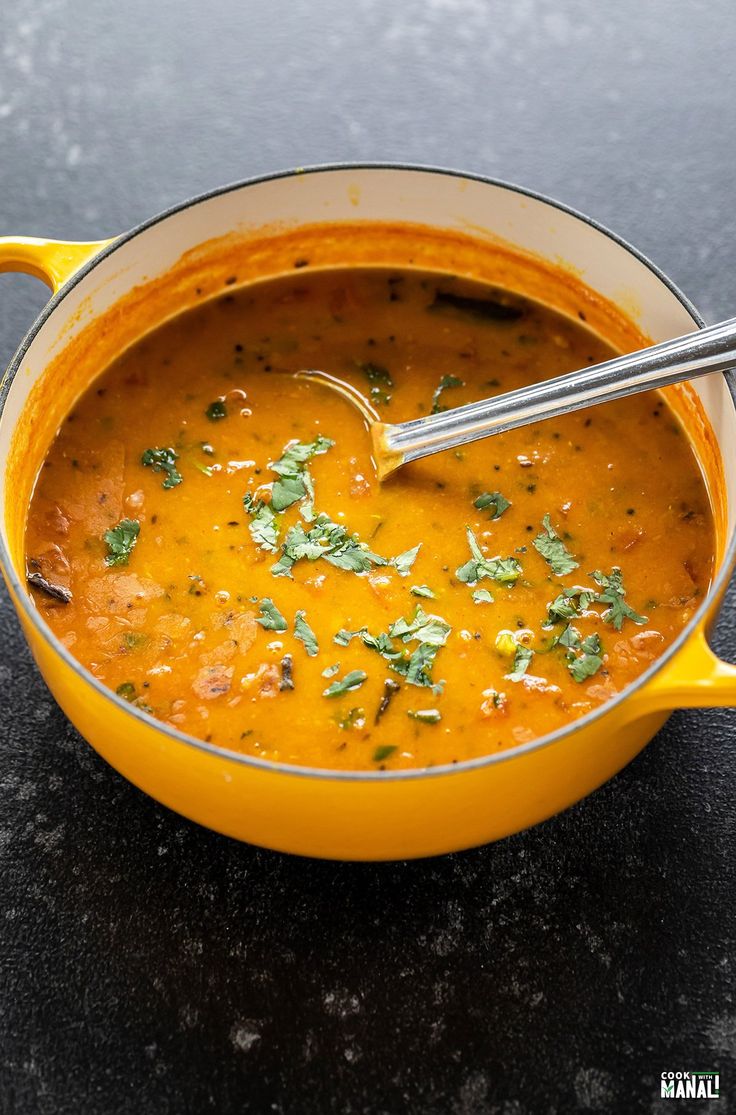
[(293, 769)]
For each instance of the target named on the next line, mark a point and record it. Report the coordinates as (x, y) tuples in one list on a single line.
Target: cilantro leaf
[(163, 460), (120, 541), (303, 632), (422, 627), (327, 540), (294, 481), (522, 658), (445, 384), (422, 590), (383, 751), (494, 501), (583, 655), (570, 603), (263, 526), (613, 594), (482, 596), (403, 562), (351, 681), (271, 617), (504, 570), (331, 671), (553, 550)]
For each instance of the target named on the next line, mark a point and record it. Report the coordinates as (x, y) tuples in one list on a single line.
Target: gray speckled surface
[(148, 966)]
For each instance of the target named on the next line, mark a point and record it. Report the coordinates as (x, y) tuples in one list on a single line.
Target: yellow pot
[(107, 294)]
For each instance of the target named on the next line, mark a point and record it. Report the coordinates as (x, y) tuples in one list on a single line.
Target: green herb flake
[(379, 379), (383, 751), (217, 410), (271, 618), (403, 562), (163, 460), (294, 481), (445, 384), (613, 594), (263, 526), (127, 691), (303, 632), (522, 659), (503, 570), (355, 718), (482, 596), (425, 715), (583, 655), (494, 502), (120, 541), (331, 671), (352, 680), (553, 550), (328, 540), (423, 590)]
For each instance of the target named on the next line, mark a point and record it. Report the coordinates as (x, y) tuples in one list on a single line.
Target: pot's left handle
[(52, 261)]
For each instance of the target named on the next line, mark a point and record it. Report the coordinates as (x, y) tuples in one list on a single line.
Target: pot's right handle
[(695, 678), (52, 261)]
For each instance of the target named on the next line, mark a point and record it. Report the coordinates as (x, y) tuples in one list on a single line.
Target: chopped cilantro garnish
[(379, 379), (294, 482), (553, 550), (422, 590), (263, 526), (383, 751), (303, 632), (613, 594), (331, 671), (429, 631), (503, 570), (127, 691), (425, 715), (163, 460), (445, 383), (271, 617), (120, 541), (328, 540), (583, 655), (482, 596), (494, 501), (217, 410), (422, 627), (522, 658), (570, 603), (355, 718), (403, 562), (351, 681)]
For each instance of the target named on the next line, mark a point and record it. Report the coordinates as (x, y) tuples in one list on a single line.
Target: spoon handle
[(709, 350)]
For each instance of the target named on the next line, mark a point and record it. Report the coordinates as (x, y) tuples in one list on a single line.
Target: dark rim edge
[(266, 765)]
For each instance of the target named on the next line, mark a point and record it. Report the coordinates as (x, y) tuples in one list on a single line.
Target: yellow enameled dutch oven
[(107, 294)]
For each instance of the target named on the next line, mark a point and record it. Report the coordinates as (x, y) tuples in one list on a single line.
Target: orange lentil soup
[(208, 538)]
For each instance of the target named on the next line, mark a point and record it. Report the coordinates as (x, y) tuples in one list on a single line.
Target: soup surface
[(208, 538)]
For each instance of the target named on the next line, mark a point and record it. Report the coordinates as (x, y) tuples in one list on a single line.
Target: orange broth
[(438, 658)]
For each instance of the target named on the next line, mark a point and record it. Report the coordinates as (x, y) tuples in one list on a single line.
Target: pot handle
[(695, 678), (52, 261)]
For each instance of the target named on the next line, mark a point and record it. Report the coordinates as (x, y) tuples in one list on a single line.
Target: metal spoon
[(708, 350)]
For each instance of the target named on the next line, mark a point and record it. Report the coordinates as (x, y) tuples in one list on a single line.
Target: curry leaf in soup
[(613, 594), (303, 632), (263, 526), (553, 550), (120, 541), (163, 460), (445, 384), (495, 502), (271, 617), (352, 680)]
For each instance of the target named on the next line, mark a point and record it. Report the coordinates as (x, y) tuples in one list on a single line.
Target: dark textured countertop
[(148, 966)]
